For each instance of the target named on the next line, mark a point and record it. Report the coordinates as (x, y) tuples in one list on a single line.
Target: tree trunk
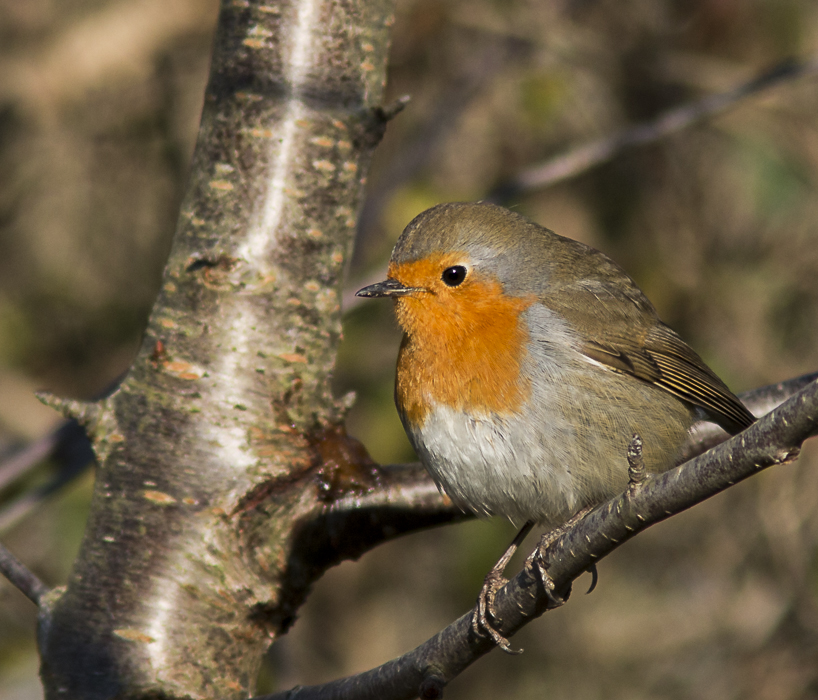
[(224, 435)]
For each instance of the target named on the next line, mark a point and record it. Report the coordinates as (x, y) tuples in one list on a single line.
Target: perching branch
[(583, 158), (774, 439)]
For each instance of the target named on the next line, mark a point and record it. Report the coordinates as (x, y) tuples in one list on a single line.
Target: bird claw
[(480, 623), (536, 561), (594, 578)]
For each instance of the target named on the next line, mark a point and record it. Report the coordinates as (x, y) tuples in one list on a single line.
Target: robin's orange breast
[(463, 349)]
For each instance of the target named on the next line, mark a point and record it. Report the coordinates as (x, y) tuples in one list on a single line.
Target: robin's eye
[(453, 276)]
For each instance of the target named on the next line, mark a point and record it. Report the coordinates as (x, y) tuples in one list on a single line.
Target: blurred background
[(99, 105)]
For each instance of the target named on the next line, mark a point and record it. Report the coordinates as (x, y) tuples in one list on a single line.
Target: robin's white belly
[(565, 449), (496, 465)]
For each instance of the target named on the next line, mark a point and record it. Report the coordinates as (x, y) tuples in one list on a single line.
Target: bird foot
[(494, 581), (536, 561), (480, 622)]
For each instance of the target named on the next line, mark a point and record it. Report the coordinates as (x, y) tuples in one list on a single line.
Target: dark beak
[(387, 288)]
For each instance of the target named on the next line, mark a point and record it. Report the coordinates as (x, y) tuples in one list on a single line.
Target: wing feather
[(665, 360)]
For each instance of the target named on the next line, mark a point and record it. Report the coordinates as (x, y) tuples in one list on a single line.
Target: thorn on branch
[(342, 406), (393, 109), (84, 412), (373, 125)]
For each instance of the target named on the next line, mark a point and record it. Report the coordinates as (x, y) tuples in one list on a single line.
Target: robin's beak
[(388, 288)]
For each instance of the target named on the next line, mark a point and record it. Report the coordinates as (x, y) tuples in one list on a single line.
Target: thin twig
[(25, 459), (583, 158), (16, 572), (73, 454)]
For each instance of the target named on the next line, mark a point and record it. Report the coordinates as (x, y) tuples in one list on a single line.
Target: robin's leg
[(493, 582)]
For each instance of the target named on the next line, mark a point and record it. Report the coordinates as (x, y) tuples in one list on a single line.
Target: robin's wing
[(664, 359), (632, 340)]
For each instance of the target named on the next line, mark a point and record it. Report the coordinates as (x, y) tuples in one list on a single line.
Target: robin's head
[(462, 258), (456, 287), (461, 265)]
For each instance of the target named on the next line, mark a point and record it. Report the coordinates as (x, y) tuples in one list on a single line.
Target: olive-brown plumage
[(528, 362)]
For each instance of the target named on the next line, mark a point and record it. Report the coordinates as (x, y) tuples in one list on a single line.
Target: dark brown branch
[(774, 439), (394, 108), (405, 500), (583, 158), (760, 402), (17, 573)]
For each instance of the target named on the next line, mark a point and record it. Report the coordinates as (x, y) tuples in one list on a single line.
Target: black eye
[(453, 276)]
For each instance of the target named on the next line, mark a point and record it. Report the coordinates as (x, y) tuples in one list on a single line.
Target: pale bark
[(224, 437)]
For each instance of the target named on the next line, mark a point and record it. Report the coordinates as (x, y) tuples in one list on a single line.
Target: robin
[(528, 363)]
